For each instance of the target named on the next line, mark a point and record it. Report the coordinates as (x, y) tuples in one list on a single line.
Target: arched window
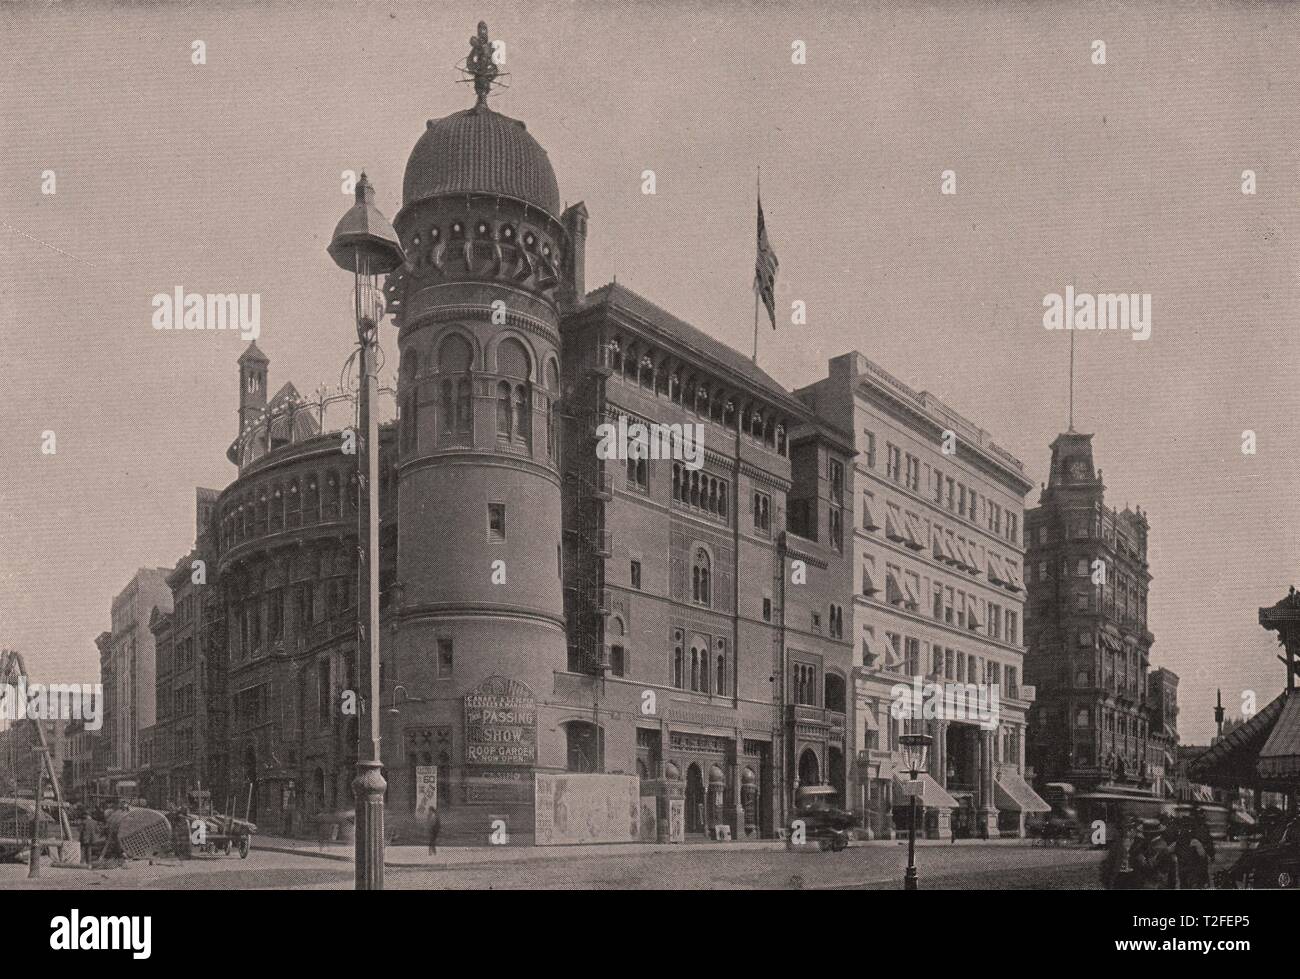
[(503, 410), (582, 746), (513, 359), (678, 668), (311, 505), (721, 685), (834, 691), (677, 480), (448, 407), (695, 489), (464, 406), (700, 577), (454, 355), (411, 364)]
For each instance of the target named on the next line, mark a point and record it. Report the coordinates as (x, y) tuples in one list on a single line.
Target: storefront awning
[(1233, 758), (1012, 793), (932, 794), (1280, 757)]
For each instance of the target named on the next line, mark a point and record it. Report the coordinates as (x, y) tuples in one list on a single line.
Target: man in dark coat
[(435, 825)]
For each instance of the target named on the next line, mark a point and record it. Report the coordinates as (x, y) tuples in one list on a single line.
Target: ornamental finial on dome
[(481, 63)]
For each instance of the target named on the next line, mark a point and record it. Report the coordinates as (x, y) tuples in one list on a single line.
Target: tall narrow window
[(523, 414), (447, 407), (496, 521), (700, 577), (464, 406), (504, 428)]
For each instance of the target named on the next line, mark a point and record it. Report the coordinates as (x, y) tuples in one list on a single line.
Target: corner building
[(1090, 648)]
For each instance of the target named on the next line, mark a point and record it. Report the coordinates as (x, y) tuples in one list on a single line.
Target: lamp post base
[(909, 879), (368, 789)]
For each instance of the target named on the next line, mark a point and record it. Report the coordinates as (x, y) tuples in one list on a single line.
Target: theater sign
[(500, 723)]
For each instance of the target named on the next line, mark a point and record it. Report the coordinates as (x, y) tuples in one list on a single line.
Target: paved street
[(876, 866)]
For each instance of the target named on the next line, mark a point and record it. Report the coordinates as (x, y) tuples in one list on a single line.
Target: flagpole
[(758, 196)]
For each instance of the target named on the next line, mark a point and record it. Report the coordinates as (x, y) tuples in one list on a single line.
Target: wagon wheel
[(244, 845)]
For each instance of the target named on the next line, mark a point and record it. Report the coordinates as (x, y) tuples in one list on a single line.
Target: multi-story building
[(934, 519), (280, 657), (189, 713), (79, 760), (127, 661), (718, 586), (1086, 627), (1162, 750)]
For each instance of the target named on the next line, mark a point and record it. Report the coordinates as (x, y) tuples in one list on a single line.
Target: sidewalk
[(412, 855)]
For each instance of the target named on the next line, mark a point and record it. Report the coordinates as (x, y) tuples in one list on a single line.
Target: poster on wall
[(676, 820), (587, 809), (426, 789)]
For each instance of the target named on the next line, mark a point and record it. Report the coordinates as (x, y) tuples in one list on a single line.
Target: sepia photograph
[(649, 447)]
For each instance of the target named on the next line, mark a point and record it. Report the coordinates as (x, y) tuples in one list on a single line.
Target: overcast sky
[(225, 177)]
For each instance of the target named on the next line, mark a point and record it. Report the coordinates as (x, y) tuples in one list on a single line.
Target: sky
[(1122, 177)]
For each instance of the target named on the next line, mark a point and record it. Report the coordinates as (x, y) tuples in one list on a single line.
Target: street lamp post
[(915, 747), (365, 244)]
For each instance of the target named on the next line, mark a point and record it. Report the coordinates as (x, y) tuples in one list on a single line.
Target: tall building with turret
[(1086, 627)]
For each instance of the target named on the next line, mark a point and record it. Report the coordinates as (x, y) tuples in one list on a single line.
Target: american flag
[(765, 266)]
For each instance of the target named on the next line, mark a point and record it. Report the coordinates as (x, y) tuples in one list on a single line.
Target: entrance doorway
[(694, 799), (809, 768)]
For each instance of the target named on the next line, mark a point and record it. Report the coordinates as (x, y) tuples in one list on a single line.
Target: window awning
[(915, 538), (997, 571), (868, 584), (973, 561), (938, 546), (972, 612), (1012, 793), (893, 594), (909, 593), (1013, 576), (948, 551), (869, 716), (869, 520), (932, 794), (893, 520)]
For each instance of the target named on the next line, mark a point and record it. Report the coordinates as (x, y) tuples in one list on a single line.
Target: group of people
[(1159, 854), (100, 831)]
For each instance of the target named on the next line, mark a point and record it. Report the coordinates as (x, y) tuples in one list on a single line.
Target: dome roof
[(483, 151)]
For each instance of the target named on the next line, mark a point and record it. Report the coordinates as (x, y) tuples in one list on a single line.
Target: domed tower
[(479, 516)]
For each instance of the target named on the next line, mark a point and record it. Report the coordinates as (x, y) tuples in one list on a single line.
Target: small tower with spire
[(253, 367)]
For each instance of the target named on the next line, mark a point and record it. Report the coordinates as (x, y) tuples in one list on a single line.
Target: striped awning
[(1013, 793), (933, 795), (1280, 756)]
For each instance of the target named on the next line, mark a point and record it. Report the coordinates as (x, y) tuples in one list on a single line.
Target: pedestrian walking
[(90, 836), (1193, 861), (435, 825)]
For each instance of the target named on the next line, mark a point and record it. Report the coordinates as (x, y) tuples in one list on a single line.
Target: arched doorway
[(694, 799), (250, 779), (809, 768)]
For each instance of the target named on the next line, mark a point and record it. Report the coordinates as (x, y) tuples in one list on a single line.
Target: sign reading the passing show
[(500, 723)]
